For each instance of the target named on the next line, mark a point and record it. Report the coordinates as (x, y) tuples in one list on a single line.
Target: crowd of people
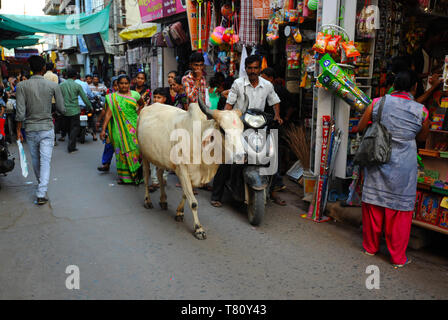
[(48, 102), (48, 105)]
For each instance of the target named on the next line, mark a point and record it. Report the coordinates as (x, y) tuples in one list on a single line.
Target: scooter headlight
[(255, 121), (256, 141)]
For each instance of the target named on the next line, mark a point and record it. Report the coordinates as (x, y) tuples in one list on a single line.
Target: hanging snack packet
[(291, 15), (350, 49), (272, 33), (321, 42), (333, 44)]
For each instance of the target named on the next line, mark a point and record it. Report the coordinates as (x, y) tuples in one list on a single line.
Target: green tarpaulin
[(66, 24), (22, 41)]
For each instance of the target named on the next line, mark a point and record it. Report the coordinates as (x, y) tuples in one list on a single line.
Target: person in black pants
[(219, 181)]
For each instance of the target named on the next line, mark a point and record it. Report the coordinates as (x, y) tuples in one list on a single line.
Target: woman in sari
[(122, 111)]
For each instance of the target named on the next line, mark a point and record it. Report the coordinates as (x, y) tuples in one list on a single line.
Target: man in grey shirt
[(34, 103)]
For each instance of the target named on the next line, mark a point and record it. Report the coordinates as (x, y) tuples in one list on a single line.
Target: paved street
[(124, 251)]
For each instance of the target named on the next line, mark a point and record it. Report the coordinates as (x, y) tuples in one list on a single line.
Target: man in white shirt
[(258, 90), (96, 87)]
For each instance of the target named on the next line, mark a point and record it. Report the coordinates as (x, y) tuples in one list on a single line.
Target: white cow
[(155, 125)]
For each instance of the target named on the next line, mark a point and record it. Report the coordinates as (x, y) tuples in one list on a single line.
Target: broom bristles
[(299, 144)]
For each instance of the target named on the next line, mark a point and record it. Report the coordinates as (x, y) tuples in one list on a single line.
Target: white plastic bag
[(23, 162)]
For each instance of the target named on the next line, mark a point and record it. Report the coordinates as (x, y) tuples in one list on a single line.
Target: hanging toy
[(273, 27), (227, 35), (313, 4), (226, 11), (216, 38), (232, 67), (297, 36)]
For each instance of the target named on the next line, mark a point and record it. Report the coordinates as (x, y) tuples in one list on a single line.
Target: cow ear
[(208, 139)]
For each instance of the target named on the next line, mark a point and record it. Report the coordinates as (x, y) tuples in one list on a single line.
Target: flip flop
[(153, 187), (216, 204)]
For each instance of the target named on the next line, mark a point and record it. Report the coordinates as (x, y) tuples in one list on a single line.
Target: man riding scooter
[(249, 92)]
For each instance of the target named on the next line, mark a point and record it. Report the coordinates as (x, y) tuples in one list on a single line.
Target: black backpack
[(375, 148)]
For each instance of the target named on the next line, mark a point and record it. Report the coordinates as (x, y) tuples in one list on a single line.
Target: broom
[(296, 138)]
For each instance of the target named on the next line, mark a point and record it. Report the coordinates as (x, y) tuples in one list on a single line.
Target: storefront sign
[(25, 53), (151, 10), (262, 9)]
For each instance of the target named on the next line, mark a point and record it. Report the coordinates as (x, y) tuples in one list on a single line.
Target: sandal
[(279, 201), (216, 204), (396, 266)]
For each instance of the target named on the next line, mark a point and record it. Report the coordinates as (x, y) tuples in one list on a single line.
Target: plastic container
[(309, 182)]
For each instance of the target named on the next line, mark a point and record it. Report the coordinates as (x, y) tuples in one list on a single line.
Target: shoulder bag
[(375, 148)]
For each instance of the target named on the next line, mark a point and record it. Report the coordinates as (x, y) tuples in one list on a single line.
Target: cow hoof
[(148, 205), (179, 218), (163, 205), (200, 234)]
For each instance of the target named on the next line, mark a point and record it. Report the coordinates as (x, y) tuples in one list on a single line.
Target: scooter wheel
[(256, 206)]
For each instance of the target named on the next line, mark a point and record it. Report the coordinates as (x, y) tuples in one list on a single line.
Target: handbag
[(375, 148), (177, 33), (158, 40), (167, 37)]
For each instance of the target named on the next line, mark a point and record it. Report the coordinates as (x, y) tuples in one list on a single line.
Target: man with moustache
[(259, 92)]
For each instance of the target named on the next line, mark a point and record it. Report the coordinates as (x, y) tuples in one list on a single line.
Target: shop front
[(358, 47)]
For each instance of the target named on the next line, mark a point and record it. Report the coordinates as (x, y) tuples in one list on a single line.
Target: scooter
[(248, 182)]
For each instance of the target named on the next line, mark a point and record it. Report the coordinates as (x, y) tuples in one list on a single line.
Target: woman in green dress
[(122, 110)]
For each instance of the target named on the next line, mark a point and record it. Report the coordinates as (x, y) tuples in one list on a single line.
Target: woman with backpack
[(389, 191)]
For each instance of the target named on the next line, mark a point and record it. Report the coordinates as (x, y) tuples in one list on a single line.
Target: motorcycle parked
[(247, 182)]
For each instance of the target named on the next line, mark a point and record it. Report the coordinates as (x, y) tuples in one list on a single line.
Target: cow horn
[(206, 110)]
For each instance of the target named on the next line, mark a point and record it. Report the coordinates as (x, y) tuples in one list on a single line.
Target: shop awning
[(22, 25), (140, 30), (21, 41)]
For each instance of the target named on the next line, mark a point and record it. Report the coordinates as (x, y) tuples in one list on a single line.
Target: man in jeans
[(34, 103), (71, 91)]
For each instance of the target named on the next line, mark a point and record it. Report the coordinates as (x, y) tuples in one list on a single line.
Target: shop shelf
[(438, 131), (443, 154), (429, 153), (439, 190), (429, 226), (424, 186)]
